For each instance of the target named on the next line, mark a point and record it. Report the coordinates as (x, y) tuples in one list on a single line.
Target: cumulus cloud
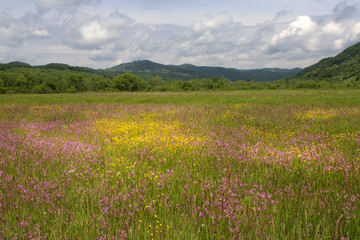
[(84, 31), (94, 33), (101, 39), (298, 34), (317, 36), (210, 23), (300, 27), (333, 28), (14, 32)]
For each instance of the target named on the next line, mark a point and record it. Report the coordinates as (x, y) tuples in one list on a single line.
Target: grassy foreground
[(204, 165)]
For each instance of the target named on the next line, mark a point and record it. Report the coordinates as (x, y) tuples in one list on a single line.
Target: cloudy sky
[(231, 33)]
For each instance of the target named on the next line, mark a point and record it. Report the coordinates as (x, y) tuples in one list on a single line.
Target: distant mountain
[(343, 67), (146, 69), (61, 66), (54, 66), (14, 65)]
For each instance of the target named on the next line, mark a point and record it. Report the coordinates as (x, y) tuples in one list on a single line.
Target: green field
[(200, 165), (333, 97)]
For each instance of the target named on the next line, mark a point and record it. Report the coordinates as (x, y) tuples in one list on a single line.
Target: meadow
[(199, 165)]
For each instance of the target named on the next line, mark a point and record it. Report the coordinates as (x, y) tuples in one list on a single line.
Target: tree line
[(40, 80)]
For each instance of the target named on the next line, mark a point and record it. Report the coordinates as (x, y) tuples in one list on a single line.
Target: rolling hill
[(343, 67), (146, 69)]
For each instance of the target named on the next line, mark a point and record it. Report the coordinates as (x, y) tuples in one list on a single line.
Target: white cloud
[(41, 33), (339, 44), (313, 44), (301, 26), (355, 31), (333, 28), (301, 33), (209, 23), (14, 32), (100, 38), (94, 33), (320, 36)]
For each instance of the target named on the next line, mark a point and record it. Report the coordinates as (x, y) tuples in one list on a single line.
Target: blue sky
[(240, 34)]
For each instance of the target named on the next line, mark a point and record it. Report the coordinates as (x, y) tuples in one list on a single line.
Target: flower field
[(242, 170)]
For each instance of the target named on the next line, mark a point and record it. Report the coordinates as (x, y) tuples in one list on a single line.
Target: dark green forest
[(341, 71), (25, 79), (147, 69)]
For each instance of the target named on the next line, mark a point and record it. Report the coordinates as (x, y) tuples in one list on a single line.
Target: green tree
[(186, 86), (223, 83), (98, 83), (21, 83), (156, 81), (41, 88), (129, 82), (77, 81), (358, 76), (61, 82), (2, 86)]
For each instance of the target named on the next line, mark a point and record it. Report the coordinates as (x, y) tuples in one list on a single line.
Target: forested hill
[(344, 67), (19, 77), (146, 69), (50, 66)]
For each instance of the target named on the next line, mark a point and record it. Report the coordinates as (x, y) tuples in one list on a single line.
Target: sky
[(239, 34)]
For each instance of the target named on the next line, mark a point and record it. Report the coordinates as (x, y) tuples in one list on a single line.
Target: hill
[(50, 66), (146, 69), (11, 65), (344, 67)]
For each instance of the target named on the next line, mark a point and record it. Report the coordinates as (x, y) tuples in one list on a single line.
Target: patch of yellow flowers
[(148, 131), (316, 114)]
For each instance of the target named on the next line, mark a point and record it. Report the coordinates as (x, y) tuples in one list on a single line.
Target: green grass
[(333, 97), (196, 165)]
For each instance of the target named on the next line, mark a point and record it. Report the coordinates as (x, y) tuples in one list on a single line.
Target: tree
[(156, 81), (186, 86), (358, 76), (129, 82), (21, 83), (77, 82), (98, 83), (41, 88), (62, 85), (2, 86), (223, 83)]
